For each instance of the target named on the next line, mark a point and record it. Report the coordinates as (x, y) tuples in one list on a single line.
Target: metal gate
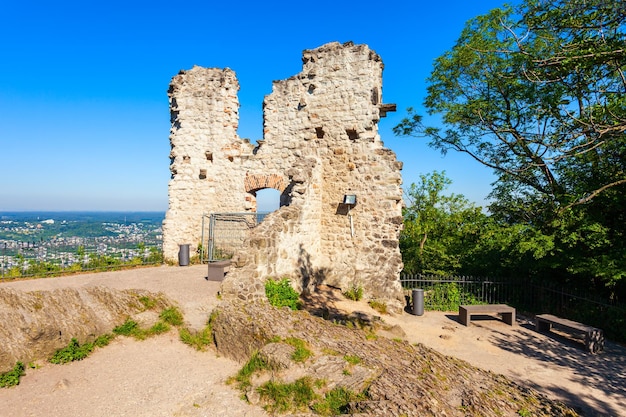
[(223, 233)]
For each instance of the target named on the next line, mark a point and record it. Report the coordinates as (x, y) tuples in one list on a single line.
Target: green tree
[(537, 92), (438, 228)]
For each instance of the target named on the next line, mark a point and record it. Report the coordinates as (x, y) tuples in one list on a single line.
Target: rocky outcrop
[(398, 378), (33, 325)]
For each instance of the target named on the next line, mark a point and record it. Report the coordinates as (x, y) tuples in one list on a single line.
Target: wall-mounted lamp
[(349, 200)]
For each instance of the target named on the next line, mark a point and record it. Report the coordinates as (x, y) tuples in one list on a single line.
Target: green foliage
[(336, 402), (129, 328), (536, 92), (352, 359), (378, 306), (302, 352), (12, 377), (447, 297), (148, 302), (254, 364), (73, 352), (281, 294), (291, 397), (158, 328), (103, 340), (172, 316), (198, 340), (354, 293), (438, 228)]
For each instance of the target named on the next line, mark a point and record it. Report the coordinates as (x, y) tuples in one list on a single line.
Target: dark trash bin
[(418, 302), (183, 255)]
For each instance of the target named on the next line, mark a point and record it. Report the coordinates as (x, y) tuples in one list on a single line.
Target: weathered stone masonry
[(320, 143)]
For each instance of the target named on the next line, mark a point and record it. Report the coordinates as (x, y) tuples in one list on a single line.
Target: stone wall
[(320, 143)]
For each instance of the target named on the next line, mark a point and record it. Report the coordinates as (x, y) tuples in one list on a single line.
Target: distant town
[(34, 243)]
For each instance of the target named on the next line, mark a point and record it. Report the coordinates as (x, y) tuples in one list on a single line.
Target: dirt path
[(163, 377)]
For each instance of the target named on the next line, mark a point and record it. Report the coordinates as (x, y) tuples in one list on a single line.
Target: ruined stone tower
[(320, 144)]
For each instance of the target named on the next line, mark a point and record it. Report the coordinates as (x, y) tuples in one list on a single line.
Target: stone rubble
[(399, 379)]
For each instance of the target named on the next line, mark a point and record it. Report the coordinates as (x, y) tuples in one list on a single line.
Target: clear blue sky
[(83, 104)]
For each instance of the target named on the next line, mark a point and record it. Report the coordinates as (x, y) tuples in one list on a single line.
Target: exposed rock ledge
[(34, 324), (400, 379)]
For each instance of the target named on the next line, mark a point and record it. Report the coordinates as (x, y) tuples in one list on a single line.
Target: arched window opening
[(267, 200)]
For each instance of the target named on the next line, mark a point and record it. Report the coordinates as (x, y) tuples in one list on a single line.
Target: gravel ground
[(163, 377)]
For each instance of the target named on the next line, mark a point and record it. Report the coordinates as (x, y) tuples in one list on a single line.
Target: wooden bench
[(594, 338), (507, 312)]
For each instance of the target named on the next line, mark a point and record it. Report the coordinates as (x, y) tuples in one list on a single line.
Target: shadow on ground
[(604, 371)]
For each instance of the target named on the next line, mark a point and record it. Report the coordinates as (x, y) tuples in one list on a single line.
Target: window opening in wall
[(202, 175), (267, 200), (375, 96), (319, 132), (209, 156), (311, 88), (352, 134)]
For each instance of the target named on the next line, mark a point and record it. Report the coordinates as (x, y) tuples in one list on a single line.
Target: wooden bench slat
[(594, 337), (565, 322)]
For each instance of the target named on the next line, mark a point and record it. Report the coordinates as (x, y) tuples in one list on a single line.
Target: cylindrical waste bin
[(183, 255), (418, 301)]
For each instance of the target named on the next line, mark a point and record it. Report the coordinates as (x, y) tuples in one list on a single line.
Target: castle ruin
[(320, 144)]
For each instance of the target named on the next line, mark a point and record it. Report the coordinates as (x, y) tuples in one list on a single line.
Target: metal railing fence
[(62, 255), (446, 293), (223, 234)]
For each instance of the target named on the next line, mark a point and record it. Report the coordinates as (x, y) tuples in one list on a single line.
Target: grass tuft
[(302, 352), (198, 340), (130, 328), (282, 397), (354, 293), (378, 306), (254, 364), (172, 316), (352, 359), (336, 402)]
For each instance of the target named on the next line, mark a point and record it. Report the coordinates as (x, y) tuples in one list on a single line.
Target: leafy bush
[(73, 352), (281, 294), (12, 377), (448, 297)]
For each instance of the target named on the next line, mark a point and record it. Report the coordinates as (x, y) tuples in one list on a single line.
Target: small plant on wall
[(354, 292), (280, 293)]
